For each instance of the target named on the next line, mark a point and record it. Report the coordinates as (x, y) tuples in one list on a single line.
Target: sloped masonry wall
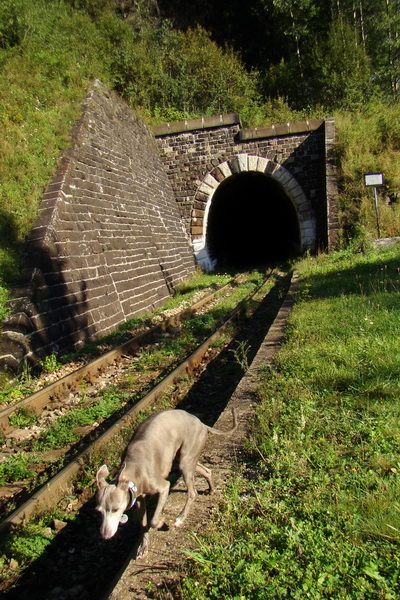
[(108, 243)]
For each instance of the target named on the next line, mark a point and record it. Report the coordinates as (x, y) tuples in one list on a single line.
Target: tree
[(342, 76), (377, 24)]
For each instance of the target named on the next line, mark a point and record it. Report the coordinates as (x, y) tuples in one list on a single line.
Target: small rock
[(19, 435), (58, 525), (47, 533)]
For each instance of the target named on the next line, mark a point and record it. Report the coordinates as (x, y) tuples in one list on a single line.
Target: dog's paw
[(178, 523), (159, 524), (142, 549)]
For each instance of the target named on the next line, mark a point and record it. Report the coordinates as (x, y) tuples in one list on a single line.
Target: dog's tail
[(219, 432)]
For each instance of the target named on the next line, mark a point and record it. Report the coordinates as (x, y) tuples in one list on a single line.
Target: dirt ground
[(162, 564)]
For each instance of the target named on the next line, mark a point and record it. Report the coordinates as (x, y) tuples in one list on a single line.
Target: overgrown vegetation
[(182, 297), (369, 142), (302, 59), (315, 512)]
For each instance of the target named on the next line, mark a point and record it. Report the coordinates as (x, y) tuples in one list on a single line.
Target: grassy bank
[(50, 52), (315, 513)]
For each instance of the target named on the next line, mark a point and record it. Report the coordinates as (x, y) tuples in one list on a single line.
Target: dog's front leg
[(144, 540), (163, 491)]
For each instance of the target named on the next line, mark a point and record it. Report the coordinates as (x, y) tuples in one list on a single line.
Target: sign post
[(376, 180)]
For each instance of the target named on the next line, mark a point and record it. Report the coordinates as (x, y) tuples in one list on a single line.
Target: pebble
[(59, 525), (19, 435)]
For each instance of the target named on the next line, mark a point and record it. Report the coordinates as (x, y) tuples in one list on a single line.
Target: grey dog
[(165, 437)]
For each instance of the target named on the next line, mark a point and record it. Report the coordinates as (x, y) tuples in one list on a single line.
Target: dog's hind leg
[(188, 469), (206, 473)]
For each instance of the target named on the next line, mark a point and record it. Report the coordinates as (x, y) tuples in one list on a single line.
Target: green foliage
[(12, 23), (16, 467), (342, 77), (241, 353), (41, 83), (14, 392), (316, 514), (50, 363), (64, 430), (9, 266), (369, 142), (23, 417), (173, 75), (29, 544)]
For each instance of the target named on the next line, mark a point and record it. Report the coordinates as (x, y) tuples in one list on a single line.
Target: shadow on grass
[(364, 278)]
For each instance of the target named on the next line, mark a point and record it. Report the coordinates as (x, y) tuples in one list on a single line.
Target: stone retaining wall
[(108, 243)]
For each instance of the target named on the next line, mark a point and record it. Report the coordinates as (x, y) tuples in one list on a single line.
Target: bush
[(369, 142), (12, 23)]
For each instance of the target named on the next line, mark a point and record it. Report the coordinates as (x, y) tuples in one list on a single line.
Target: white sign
[(375, 179)]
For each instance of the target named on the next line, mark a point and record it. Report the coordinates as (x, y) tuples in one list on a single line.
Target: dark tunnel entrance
[(251, 223)]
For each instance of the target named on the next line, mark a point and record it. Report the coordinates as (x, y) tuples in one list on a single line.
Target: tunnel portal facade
[(252, 197)]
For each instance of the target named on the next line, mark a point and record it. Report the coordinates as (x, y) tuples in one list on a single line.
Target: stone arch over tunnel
[(250, 212)]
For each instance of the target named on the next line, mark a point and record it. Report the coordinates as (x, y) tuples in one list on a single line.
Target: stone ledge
[(386, 242), (278, 130), (195, 124)]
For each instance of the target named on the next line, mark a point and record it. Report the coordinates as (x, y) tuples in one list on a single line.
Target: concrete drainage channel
[(60, 484)]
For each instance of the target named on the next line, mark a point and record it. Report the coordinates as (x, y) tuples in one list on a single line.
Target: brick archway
[(240, 164)]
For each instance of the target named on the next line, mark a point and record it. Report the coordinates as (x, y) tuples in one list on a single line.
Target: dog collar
[(132, 489)]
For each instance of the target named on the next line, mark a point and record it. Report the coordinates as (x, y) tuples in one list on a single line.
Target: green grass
[(30, 544), (23, 417), (315, 513)]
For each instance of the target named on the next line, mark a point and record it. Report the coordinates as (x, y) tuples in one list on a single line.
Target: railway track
[(59, 487), (87, 381), (95, 369)]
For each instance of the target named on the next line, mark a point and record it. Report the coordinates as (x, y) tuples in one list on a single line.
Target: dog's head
[(112, 501)]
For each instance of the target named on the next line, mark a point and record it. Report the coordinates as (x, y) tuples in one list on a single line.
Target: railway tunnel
[(251, 223)]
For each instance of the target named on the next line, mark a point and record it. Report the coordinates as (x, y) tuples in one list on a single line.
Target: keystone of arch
[(239, 164)]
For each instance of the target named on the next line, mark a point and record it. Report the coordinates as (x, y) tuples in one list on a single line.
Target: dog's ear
[(121, 476), (101, 475), (123, 481)]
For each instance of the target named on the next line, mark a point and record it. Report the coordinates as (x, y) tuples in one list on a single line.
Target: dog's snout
[(109, 524), (106, 535)]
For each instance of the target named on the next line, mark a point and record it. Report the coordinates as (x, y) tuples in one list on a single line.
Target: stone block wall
[(108, 243), (191, 150), (188, 155)]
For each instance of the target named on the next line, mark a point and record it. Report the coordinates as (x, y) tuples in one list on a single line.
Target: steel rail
[(94, 368), (53, 490)]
